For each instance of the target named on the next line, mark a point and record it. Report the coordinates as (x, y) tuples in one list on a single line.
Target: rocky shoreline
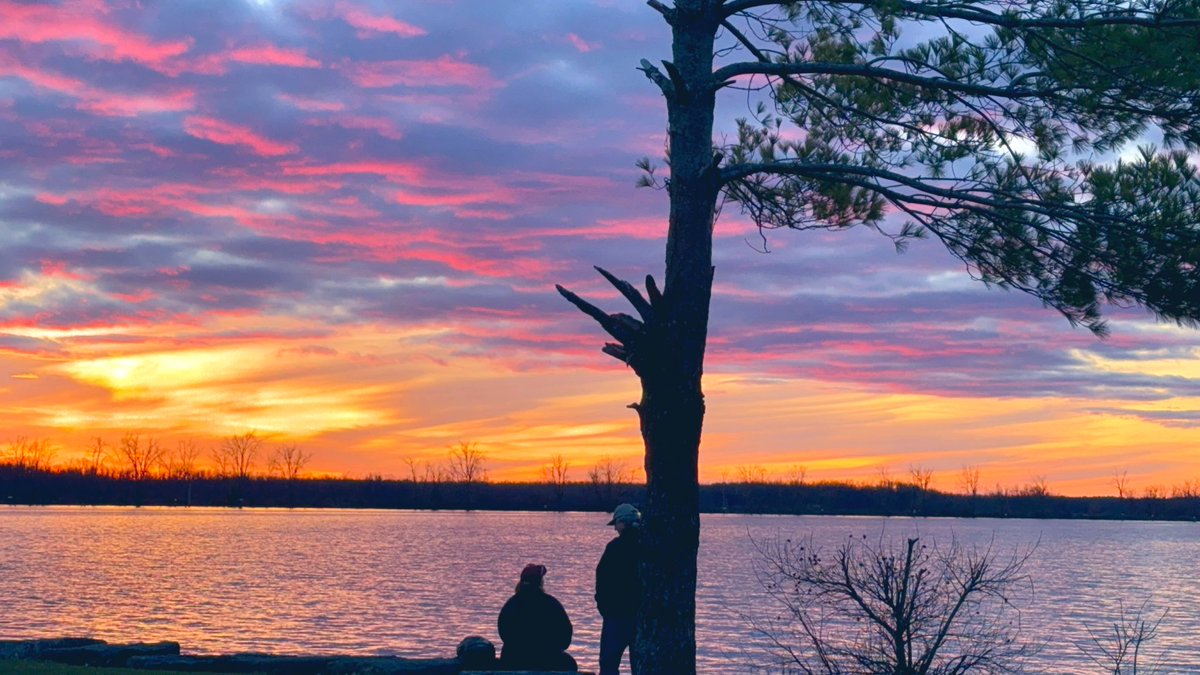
[(473, 654)]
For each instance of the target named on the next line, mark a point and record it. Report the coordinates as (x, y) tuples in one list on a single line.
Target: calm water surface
[(415, 583)]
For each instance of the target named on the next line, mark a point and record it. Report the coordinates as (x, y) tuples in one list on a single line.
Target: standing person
[(619, 589), (534, 627)]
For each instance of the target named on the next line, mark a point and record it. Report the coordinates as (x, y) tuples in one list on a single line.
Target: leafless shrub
[(1119, 649), (1038, 487), (893, 608)]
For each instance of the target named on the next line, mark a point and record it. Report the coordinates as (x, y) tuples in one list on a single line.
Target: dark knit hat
[(533, 573)]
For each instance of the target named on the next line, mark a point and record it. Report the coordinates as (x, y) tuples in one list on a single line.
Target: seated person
[(534, 627)]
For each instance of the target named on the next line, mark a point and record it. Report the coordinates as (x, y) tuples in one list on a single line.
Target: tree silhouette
[(236, 455), (982, 124), (141, 455), (556, 473), (908, 609), (468, 463), (288, 460)]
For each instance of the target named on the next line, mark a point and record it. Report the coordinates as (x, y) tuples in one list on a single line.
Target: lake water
[(415, 583)]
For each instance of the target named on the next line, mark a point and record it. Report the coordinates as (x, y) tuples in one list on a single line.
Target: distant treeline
[(23, 485)]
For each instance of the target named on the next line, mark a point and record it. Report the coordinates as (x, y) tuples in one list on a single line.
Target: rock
[(476, 653), (234, 663), (104, 654), (23, 649), (299, 665), (166, 656)]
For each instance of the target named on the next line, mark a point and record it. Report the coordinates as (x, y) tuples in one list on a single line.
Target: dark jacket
[(618, 589), (535, 630)]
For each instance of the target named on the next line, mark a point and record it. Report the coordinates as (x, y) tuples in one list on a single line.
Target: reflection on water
[(415, 583)]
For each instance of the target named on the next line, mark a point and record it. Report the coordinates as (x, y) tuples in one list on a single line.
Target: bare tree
[(288, 460), (141, 455), (609, 471), (1154, 492), (467, 463), (236, 454), (411, 463), (1120, 481), (30, 454), (606, 474), (752, 473), (796, 474), (895, 609), (969, 480), (181, 462), (922, 477), (1188, 489), (557, 470), (1038, 487), (556, 473), (435, 473), (97, 451), (1119, 649)]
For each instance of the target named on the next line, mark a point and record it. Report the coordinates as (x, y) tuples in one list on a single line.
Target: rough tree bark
[(666, 349)]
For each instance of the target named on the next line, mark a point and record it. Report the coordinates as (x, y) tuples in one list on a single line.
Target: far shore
[(20, 486)]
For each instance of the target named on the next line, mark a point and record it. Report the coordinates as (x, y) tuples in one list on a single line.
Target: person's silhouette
[(534, 627)]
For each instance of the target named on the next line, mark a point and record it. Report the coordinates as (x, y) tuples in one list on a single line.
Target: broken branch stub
[(629, 332)]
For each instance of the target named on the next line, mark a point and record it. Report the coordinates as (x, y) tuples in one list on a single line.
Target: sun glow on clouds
[(229, 388), (340, 221)]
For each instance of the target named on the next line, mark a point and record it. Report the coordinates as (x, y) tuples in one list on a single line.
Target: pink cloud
[(75, 22), (55, 200), (580, 44), (446, 71), (372, 24), (380, 125), (99, 101), (390, 170), (460, 199), (271, 55), (626, 228), (262, 54), (311, 104), (227, 133)]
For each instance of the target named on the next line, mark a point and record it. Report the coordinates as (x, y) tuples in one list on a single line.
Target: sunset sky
[(339, 223)]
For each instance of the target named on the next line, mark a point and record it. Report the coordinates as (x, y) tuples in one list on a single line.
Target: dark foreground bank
[(21, 486), (474, 654)]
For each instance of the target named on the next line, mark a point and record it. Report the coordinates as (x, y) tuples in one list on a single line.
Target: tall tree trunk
[(672, 405)]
